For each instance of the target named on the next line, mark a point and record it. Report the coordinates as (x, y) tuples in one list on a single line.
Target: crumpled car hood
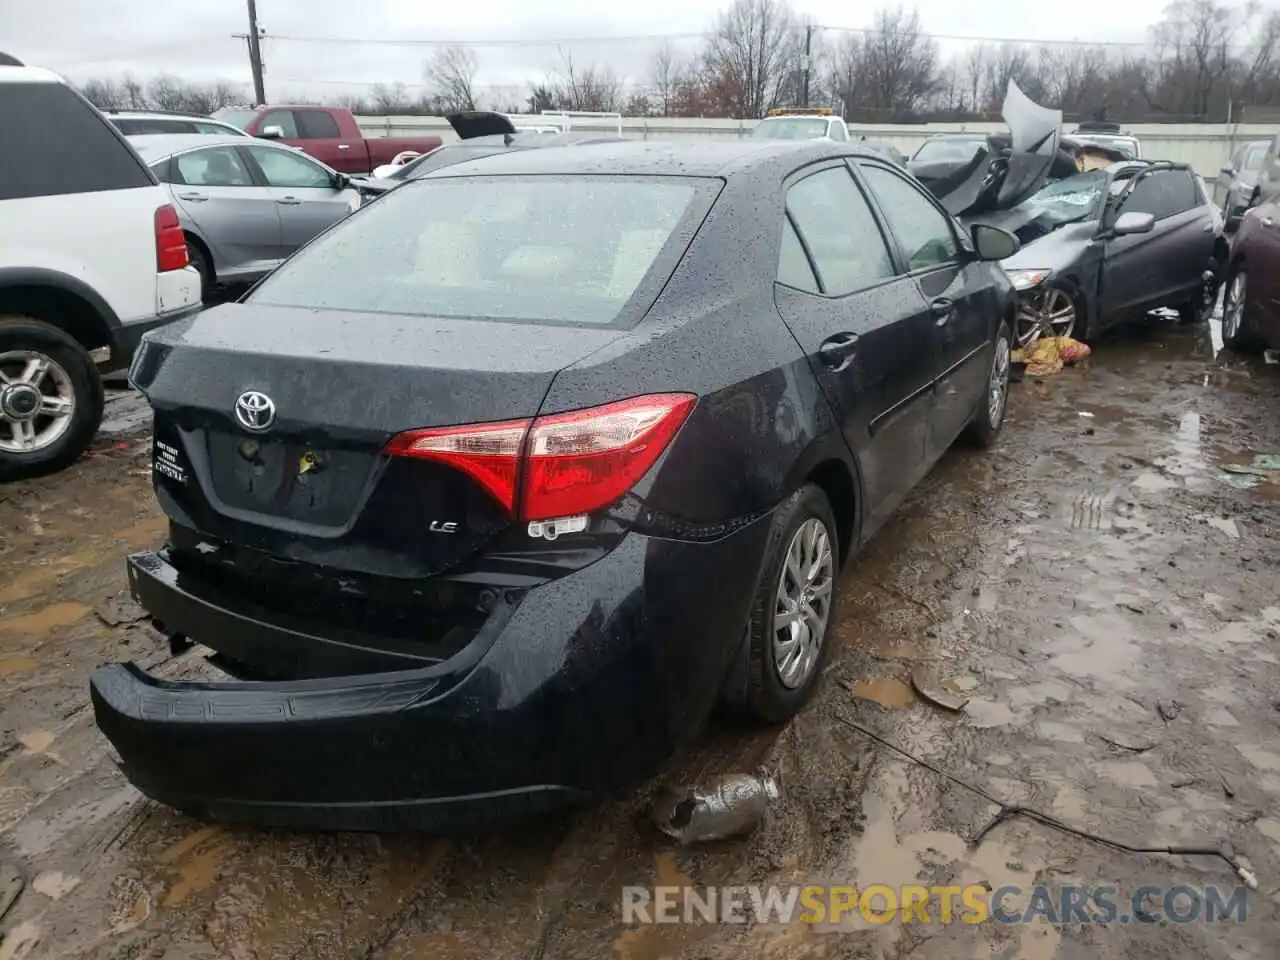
[(1010, 168)]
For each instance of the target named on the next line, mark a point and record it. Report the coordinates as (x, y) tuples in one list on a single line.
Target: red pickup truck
[(330, 134)]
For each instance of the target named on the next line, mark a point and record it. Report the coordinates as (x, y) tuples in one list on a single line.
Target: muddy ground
[(1104, 592)]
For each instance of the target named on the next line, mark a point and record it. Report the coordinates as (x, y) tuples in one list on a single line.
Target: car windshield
[(1067, 200), (935, 151), (238, 117), (438, 159), (791, 128), (567, 249), (1253, 157)]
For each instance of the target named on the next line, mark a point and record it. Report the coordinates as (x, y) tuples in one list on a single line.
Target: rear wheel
[(988, 419), (200, 261), (1237, 327), (50, 398), (1200, 308), (793, 608)]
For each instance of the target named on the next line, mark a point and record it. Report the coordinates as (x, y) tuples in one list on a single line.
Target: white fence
[(1206, 146)]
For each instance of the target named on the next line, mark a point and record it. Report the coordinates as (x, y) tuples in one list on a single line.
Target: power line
[(695, 35)]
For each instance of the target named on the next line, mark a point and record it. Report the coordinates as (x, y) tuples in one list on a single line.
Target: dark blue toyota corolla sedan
[(486, 497)]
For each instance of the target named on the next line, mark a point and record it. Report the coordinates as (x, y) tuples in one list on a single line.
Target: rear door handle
[(289, 201), (943, 309), (837, 351), (193, 197), (344, 146)]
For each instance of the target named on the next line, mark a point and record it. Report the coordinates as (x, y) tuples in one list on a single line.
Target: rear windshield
[(956, 151), (236, 116), (544, 249), (48, 132), (439, 158), (791, 128)]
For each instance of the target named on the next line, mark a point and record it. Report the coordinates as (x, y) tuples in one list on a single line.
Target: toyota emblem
[(255, 411)]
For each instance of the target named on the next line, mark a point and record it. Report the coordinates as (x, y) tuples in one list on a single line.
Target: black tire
[(768, 699), (1200, 309), (985, 426), (29, 334), (200, 261), (1238, 331)]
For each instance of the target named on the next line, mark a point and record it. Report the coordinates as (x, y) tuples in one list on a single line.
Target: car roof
[(662, 158), (163, 144), (9, 74), (164, 115)]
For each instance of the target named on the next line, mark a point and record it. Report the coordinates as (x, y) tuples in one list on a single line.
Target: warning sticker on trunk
[(167, 463)]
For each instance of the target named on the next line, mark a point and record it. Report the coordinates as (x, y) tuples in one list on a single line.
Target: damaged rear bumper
[(586, 684)]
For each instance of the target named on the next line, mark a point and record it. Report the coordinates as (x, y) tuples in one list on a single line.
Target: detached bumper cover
[(589, 683)]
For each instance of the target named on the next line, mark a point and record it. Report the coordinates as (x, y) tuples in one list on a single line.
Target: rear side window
[(282, 119), (316, 125), (132, 126), (794, 268), (566, 249), (1163, 194), (840, 231), (48, 132)]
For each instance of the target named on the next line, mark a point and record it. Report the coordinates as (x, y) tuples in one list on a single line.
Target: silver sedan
[(244, 204)]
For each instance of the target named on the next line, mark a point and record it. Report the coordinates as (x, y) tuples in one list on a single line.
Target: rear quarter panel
[(112, 247), (1259, 247), (715, 331)]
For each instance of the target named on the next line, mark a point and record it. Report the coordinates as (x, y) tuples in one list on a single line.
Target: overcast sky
[(192, 39)]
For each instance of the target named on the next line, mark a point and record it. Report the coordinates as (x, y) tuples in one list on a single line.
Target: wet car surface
[(1099, 573)]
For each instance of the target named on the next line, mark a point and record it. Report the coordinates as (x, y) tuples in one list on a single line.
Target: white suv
[(91, 257)]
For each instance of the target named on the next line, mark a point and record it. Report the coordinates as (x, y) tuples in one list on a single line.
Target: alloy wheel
[(37, 401), (1049, 313), (1233, 309), (998, 387), (803, 603)]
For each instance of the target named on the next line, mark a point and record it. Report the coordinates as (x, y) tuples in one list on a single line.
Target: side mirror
[(992, 243), (341, 181), (1229, 171), (272, 132), (1133, 222)]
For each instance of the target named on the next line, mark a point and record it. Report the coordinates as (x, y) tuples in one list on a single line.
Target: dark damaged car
[(1103, 238), (488, 496)]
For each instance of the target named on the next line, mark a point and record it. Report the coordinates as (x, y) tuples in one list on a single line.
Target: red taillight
[(171, 242), (565, 464)]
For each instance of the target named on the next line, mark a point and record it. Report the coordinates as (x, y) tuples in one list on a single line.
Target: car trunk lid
[(272, 425)]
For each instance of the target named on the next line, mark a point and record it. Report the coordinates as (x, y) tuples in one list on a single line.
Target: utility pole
[(255, 55), (808, 46)]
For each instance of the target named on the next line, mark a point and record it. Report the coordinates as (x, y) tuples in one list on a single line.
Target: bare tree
[(975, 71), (451, 77), (666, 73), (901, 61), (390, 99), (1193, 50), (751, 53), (105, 94), (593, 88)]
